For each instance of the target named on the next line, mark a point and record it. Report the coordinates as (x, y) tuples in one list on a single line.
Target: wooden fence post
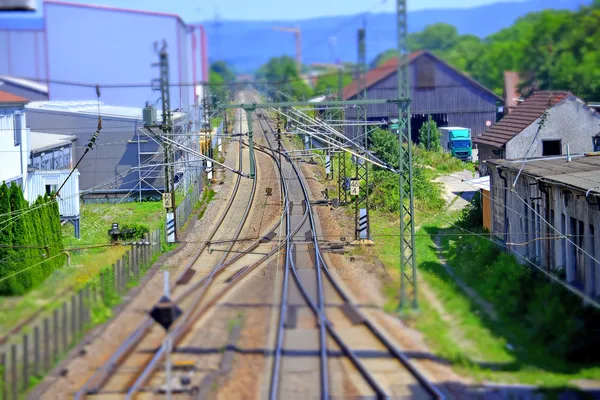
[(46, 344), (13, 367), (125, 271), (73, 318), (102, 285), (36, 350), (4, 365), (55, 332), (65, 333), (80, 319), (25, 362)]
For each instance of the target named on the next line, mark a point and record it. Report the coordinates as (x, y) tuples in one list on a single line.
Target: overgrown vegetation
[(499, 278), (429, 136), (30, 241), (426, 166)]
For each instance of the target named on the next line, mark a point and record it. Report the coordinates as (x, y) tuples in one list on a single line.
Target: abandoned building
[(568, 122), (560, 236)]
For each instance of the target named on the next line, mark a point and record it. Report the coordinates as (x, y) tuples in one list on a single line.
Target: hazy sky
[(196, 10)]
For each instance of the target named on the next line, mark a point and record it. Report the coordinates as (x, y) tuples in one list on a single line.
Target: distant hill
[(246, 45)]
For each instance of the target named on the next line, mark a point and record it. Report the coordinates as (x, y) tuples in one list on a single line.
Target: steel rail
[(98, 379), (185, 325), (429, 387)]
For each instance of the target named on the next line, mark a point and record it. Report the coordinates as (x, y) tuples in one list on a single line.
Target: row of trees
[(29, 235), (551, 49)]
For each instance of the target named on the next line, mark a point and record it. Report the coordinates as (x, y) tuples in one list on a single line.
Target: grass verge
[(457, 330)]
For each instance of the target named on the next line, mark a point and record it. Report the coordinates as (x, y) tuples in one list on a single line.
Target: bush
[(133, 231), (429, 136), (472, 215), (552, 317)]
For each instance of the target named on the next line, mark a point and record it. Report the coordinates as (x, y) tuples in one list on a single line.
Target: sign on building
[(354, 187)]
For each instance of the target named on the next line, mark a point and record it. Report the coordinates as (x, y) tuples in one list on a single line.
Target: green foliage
[(385, 145), (222, 69), (24, 227), (435, 37), (220, 77), (500, 279), (328, 82), (133, 231), (441, 162), (429, 136), (283, 72), (472, 214)]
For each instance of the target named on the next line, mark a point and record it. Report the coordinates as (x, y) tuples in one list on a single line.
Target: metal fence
[(27, 355), (186, 207)]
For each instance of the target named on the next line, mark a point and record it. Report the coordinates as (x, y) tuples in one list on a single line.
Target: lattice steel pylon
[(362, 228), (408, 261)]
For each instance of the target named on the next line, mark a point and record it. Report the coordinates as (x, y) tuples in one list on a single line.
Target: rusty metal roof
[(8, 98), (520, 118), (582, 173)]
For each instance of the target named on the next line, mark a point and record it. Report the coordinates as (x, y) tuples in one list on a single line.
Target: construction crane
[(296, 31)]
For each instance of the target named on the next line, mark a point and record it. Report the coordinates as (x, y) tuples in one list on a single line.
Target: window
[(596, 142), (18, 126), (51, 189), (551, 147)]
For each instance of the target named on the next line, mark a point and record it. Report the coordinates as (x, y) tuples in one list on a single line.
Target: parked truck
[(457, 141)]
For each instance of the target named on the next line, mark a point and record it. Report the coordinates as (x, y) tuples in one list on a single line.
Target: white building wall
[(68, 200), (570, 121), (13, 163)]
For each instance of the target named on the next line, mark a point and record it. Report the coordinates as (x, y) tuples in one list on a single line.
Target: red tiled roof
[(520, 118), (389, 67), (11, 98), (511, 81)]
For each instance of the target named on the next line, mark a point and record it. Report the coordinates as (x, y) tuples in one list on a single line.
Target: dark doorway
[(551, 147), (417, 120)]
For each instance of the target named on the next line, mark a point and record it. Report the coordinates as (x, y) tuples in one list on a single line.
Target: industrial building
[(40, 163), (127, 159), (108, 46), (437, 89), (561, 234), (568, 121), (26, 88)]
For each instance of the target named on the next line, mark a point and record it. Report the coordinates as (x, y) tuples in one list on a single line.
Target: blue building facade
[(106, 46)]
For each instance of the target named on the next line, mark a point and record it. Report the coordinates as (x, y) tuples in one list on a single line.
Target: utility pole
[(169, 159), (342, 177), (362, 229), (408, 260)]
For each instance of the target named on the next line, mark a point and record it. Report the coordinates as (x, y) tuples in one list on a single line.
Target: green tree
[(385, 145), (218, 90), (440, 36), (7, 253), (223, 69), (328, 82), (429, 135), (283, 71)]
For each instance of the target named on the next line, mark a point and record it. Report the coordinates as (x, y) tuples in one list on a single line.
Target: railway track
[(319, 328), (130, 365), (384, 370)]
